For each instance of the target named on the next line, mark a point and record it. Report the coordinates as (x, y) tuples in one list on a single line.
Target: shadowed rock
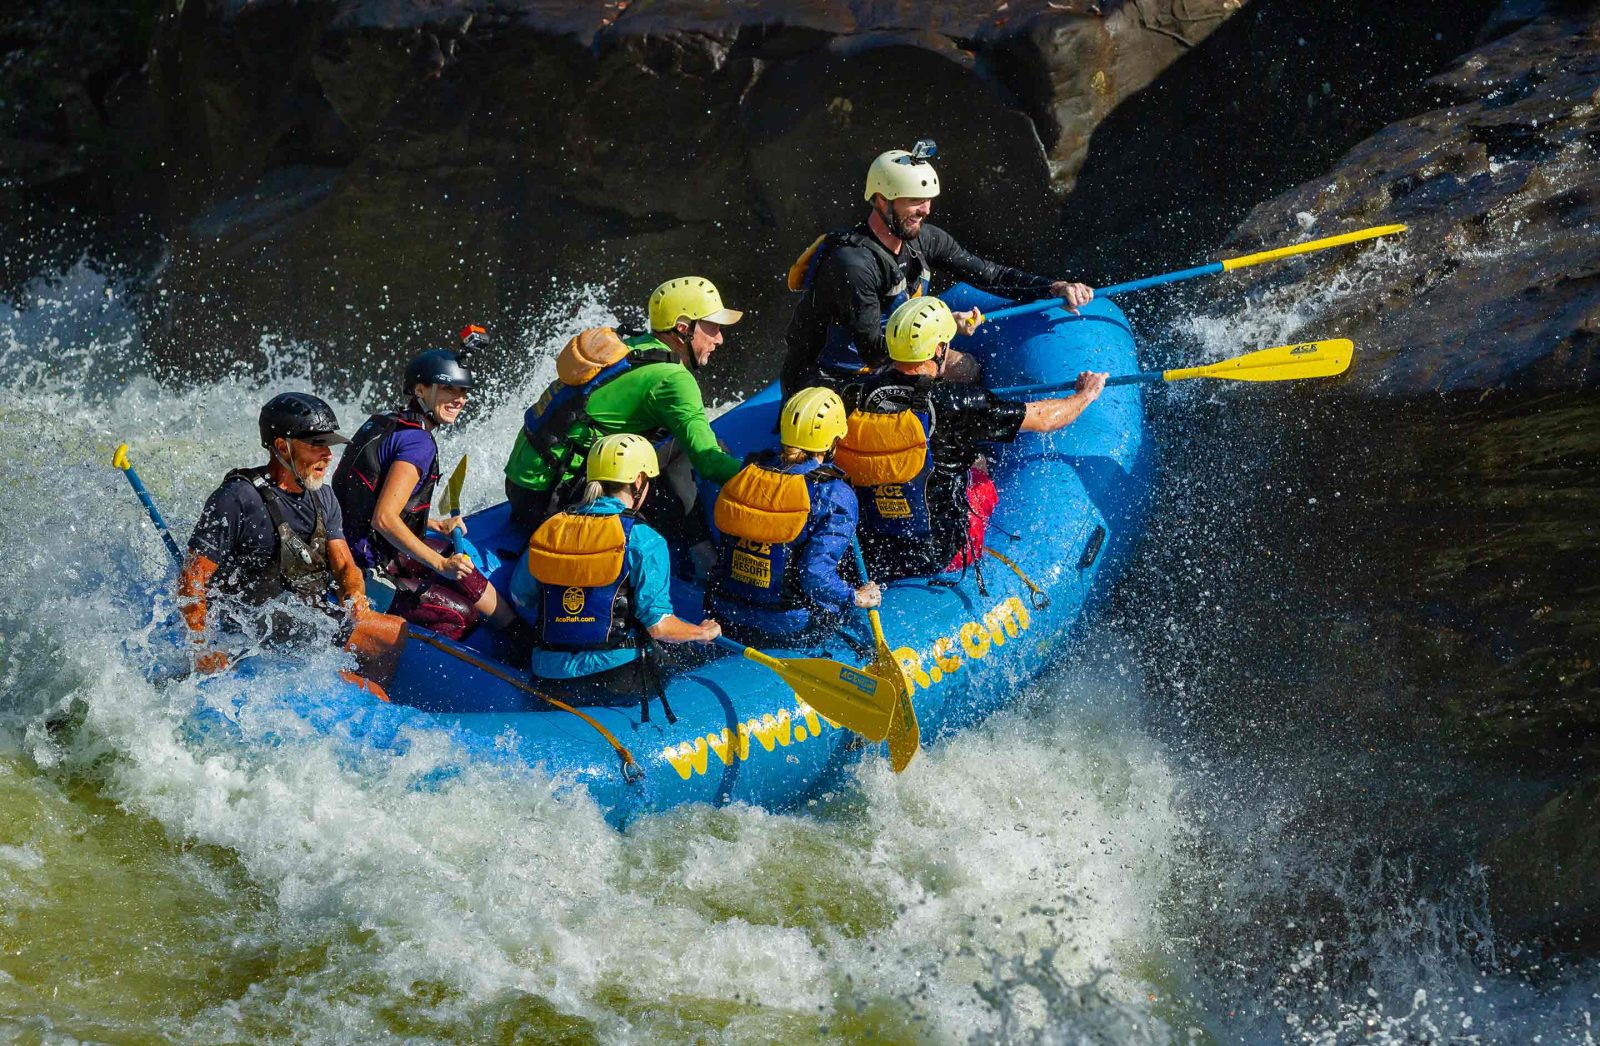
[(1406, 559), (373, 174)]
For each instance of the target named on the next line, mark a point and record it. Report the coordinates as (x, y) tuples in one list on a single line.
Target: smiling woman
[(385, 484)]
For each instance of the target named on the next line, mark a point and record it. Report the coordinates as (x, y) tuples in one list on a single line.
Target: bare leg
[(498, 612)]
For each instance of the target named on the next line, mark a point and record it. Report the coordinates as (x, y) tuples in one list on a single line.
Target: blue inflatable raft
[(1071, 505)]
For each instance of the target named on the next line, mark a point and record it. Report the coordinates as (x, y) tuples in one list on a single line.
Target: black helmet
[(301, 416), (437, 367)]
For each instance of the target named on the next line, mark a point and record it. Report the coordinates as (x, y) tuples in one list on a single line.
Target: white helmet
[(898, 173)]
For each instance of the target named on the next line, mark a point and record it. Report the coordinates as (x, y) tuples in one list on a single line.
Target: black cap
[(438, 367), (301, 416)]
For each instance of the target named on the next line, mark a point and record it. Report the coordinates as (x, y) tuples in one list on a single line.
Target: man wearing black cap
[(272, 529)]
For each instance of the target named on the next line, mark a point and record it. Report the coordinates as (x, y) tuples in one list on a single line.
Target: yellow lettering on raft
[(724, 746), (911, 664), (1005, 620), (787, 727), (772, 729), (686, 758)]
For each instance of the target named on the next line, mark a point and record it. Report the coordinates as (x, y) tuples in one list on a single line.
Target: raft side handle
[(1091, 550)]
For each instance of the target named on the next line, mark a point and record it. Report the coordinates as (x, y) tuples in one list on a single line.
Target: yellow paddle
[(856, 700), (452, 499), (1309, 359), (1244, 261), (905, 737)]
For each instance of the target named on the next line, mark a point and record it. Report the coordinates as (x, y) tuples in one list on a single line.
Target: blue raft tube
[(1072, 504)]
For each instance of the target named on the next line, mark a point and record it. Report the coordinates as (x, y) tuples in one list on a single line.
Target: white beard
[(314, 484)]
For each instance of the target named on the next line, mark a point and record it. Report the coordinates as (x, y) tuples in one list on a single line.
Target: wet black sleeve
[(850, 282), (973, 414), (945, 255)]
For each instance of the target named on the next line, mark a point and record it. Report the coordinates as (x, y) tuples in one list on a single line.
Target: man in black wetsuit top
[(915, 441), (853, 279)]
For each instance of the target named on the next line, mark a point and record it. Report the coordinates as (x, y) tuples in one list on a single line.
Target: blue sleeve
[(833, 522), (217, 530), (650, 567), (332, 514), (524, 592), (413, 446)]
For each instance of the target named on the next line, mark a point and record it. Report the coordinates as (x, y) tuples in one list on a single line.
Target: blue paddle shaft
[(1106, 292), (861, 561), (155, 513), (727, 644), (1144, 377)]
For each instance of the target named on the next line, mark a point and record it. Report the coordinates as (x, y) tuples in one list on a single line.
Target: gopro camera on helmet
[(924, 150)]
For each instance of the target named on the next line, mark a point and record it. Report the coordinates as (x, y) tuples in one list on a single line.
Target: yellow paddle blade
[(1246, 260), (1311, 359), (905, 736), (856, 700), (452, 488)]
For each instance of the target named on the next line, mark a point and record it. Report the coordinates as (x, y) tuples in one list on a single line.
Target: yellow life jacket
[(760, 505), (587, 354), (584, 598), (762, 511), (888, 460), (883, 448)]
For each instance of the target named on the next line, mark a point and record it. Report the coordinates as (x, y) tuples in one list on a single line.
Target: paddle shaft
[(452, 506), (750, 652), (121, 462), (904, 735), (1144, 377), (872, 612), (1212, 269)]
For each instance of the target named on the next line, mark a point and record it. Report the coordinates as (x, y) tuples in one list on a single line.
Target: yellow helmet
[(897, 173), (619, 458), (917, 328), (812, 419), (693, 296)]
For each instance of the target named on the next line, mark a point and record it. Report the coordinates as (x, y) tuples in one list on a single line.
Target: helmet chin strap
[(288, 463), (687, 337), (427, 408), (891, 219)]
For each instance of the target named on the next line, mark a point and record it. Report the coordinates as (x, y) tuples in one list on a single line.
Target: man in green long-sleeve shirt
[(651, 391)]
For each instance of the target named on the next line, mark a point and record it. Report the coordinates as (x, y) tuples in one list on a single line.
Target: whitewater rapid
[(1066, 872)]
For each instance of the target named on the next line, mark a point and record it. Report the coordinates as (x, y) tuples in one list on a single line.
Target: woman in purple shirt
[(385, 485)]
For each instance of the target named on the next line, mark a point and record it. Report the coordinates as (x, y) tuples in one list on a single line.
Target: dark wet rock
[(373, 174), (1407, 559), (1546, 877), (71, 121), (1274, 96), (1501, 194)]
